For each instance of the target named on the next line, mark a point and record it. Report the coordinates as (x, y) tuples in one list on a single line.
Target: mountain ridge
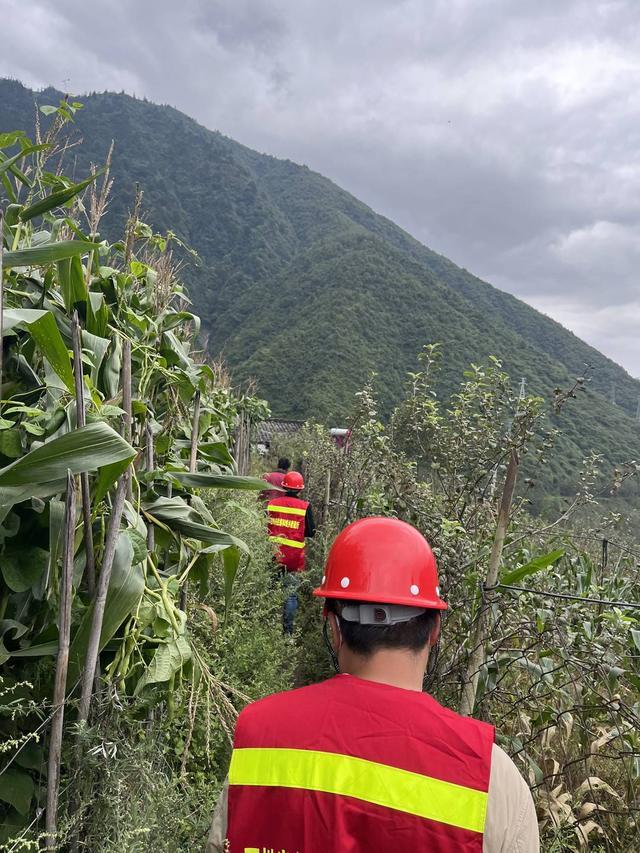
[(307, 289)]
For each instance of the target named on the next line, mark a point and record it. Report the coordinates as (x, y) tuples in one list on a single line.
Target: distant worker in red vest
[(275, 478), (290, 523), (366, 761)]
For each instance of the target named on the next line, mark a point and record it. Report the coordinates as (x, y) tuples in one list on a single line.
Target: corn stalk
[(93, 647), (62, 665), (90, 560)]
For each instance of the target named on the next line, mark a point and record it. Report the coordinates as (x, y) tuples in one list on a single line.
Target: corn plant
[(104, 398)]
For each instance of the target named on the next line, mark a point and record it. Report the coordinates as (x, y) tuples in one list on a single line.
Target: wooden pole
[(1, 301), (195, 428), (90, 560), (477, 656), (100, 598), (126, 399), (193, 464), (126, 388), (242, 446), (62, 665), (149, 463), (327, 497)]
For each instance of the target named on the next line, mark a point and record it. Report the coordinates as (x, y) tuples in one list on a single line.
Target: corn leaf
[(13, 630), (8, 165), (107, 475), (213, 451), (126, 586), (98, 348), (230, 564), (219, 481), (57, 199), (179, 517), (48, 253), (23, 567), (17, 789), (43, 329), (85, 449), (72, 282)]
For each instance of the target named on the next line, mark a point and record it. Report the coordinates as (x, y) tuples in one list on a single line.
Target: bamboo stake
[(62, 665), (126, 389), (193, 464), (149, 463), (90, 564), (126, 400), (477, 657), (1, 301), (195, 428), (99, 601)]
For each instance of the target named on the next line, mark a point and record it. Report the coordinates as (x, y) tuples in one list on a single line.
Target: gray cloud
[(503, 134)]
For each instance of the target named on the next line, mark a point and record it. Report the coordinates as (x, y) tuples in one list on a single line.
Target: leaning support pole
[(193, 464), (100, 598), (62, 665), (1, 298), (126, 398), (327, 498), (90, 560), (477, 656), (149, 461), (195, 429)]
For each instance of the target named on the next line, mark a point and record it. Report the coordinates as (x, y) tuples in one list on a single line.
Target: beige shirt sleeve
[(218, 831), (511, 826)]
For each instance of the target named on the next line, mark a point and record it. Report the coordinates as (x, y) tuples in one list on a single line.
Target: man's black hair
[(366, 639), (284, 463)]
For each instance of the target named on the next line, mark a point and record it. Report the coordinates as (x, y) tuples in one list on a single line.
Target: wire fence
[(561, 683)]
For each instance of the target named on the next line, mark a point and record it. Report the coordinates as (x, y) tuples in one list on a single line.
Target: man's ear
[(336, 633), (435, 631)]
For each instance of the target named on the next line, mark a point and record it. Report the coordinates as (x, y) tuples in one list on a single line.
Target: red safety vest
[(353, 765), (286, 529), (275, 478)]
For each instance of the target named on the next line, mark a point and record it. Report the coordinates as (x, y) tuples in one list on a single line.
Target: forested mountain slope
[(306, 289)]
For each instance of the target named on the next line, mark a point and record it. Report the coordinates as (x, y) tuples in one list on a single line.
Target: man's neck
[(398, 668)]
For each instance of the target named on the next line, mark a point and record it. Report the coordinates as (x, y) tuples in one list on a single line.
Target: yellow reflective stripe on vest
[(403, 790), (282, 540), (287, 510)]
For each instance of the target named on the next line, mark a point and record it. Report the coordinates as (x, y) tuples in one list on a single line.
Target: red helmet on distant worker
[(293, 480), (382, 560)]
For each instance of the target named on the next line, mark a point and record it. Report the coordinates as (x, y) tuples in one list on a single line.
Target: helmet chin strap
[(327, 642)]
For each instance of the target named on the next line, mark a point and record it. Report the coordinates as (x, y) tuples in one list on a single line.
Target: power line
[(565, 596)]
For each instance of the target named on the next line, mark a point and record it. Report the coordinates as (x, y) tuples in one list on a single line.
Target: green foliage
[(152, 784), (307, 290), (560, 678), (103, 300)]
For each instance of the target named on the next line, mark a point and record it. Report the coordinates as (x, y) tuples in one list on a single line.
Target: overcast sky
[(503, 133)]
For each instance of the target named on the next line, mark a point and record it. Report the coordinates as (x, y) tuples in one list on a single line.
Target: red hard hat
[(293, 480), (384, 560)]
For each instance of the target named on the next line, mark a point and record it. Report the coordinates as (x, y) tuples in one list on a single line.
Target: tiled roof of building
[(276, 428)]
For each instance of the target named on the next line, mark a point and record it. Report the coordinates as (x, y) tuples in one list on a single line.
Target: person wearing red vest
[(275, 478), (366, 761), (290, 520)]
